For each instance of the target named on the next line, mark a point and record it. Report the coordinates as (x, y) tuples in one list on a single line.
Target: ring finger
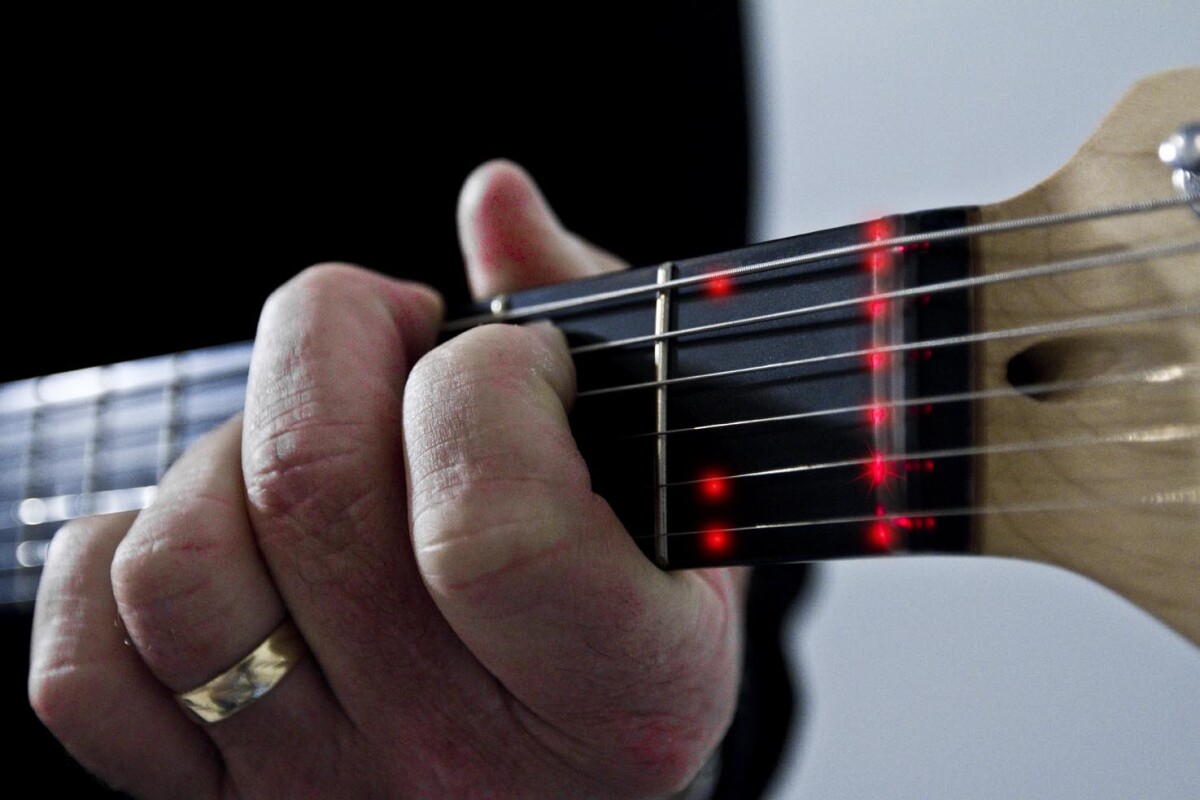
[(196, 597)]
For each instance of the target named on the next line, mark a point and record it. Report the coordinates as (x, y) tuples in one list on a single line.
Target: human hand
[(479, 623)]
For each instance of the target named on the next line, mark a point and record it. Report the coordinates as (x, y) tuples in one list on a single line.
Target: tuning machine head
[(1181, 150)]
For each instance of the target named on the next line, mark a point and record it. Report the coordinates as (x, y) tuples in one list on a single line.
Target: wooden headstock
[(1127, 505)]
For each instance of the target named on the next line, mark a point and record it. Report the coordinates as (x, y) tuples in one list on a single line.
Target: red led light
[(877, 360), (718, 286), (904, 522), (880, 536), (877, 415), (878, 470), (929, 465), (716, 541), (713, 486), (878, 231), (876, 308)]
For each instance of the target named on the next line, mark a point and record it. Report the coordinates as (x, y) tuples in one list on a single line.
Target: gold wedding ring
[(249, 679)]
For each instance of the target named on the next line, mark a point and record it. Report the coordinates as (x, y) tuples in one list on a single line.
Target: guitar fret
[(168, 430), (35, 511), (27, 469), (88, 482), (95, 441), (662, 322)]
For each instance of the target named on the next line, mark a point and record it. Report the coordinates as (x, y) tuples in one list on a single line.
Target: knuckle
[(666, 753), (166, 578), (297, 460), (312, 284), (58, 689), (63, 683)]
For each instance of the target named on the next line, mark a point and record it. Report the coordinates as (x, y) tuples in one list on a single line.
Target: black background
[(165, 174)]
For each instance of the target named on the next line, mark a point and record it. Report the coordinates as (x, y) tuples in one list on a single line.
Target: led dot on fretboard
[(716, 541), (878, 231), (718, 286), (713, 486), (880, 536), (877, 470)]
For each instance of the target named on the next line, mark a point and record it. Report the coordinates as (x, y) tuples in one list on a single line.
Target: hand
[(479, 623)]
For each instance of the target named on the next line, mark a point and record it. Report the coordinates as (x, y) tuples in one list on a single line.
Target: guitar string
[(999, 227), (1154, 377), (1075, 325), (28, 553), (1163, 501), (1164, 374), (965, 231), (949, 234), (1164, 434), (1025, 273)]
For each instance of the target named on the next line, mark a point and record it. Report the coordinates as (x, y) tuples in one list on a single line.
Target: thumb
[(512, 240), (603, 652)]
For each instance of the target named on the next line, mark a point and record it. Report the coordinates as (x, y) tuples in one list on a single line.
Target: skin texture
[(480, 625)]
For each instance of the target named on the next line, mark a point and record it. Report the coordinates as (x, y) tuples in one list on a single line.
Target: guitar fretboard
[(97, 441), (713, 358)]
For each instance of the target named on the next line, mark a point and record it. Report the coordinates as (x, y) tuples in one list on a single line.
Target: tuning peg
[(1181, 150)]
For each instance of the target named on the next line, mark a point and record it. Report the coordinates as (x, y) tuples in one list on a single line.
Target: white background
[(964, 678)]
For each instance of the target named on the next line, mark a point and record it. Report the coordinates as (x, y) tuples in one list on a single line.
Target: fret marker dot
[(878, 470), (881, 537), (878, 231), (32, 554), (32, 511), (713, 487), (716, 541), (719, 286)]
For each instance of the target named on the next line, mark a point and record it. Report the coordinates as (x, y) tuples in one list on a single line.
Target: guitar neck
[(805, 326), (97, 441), (1018, 380)]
